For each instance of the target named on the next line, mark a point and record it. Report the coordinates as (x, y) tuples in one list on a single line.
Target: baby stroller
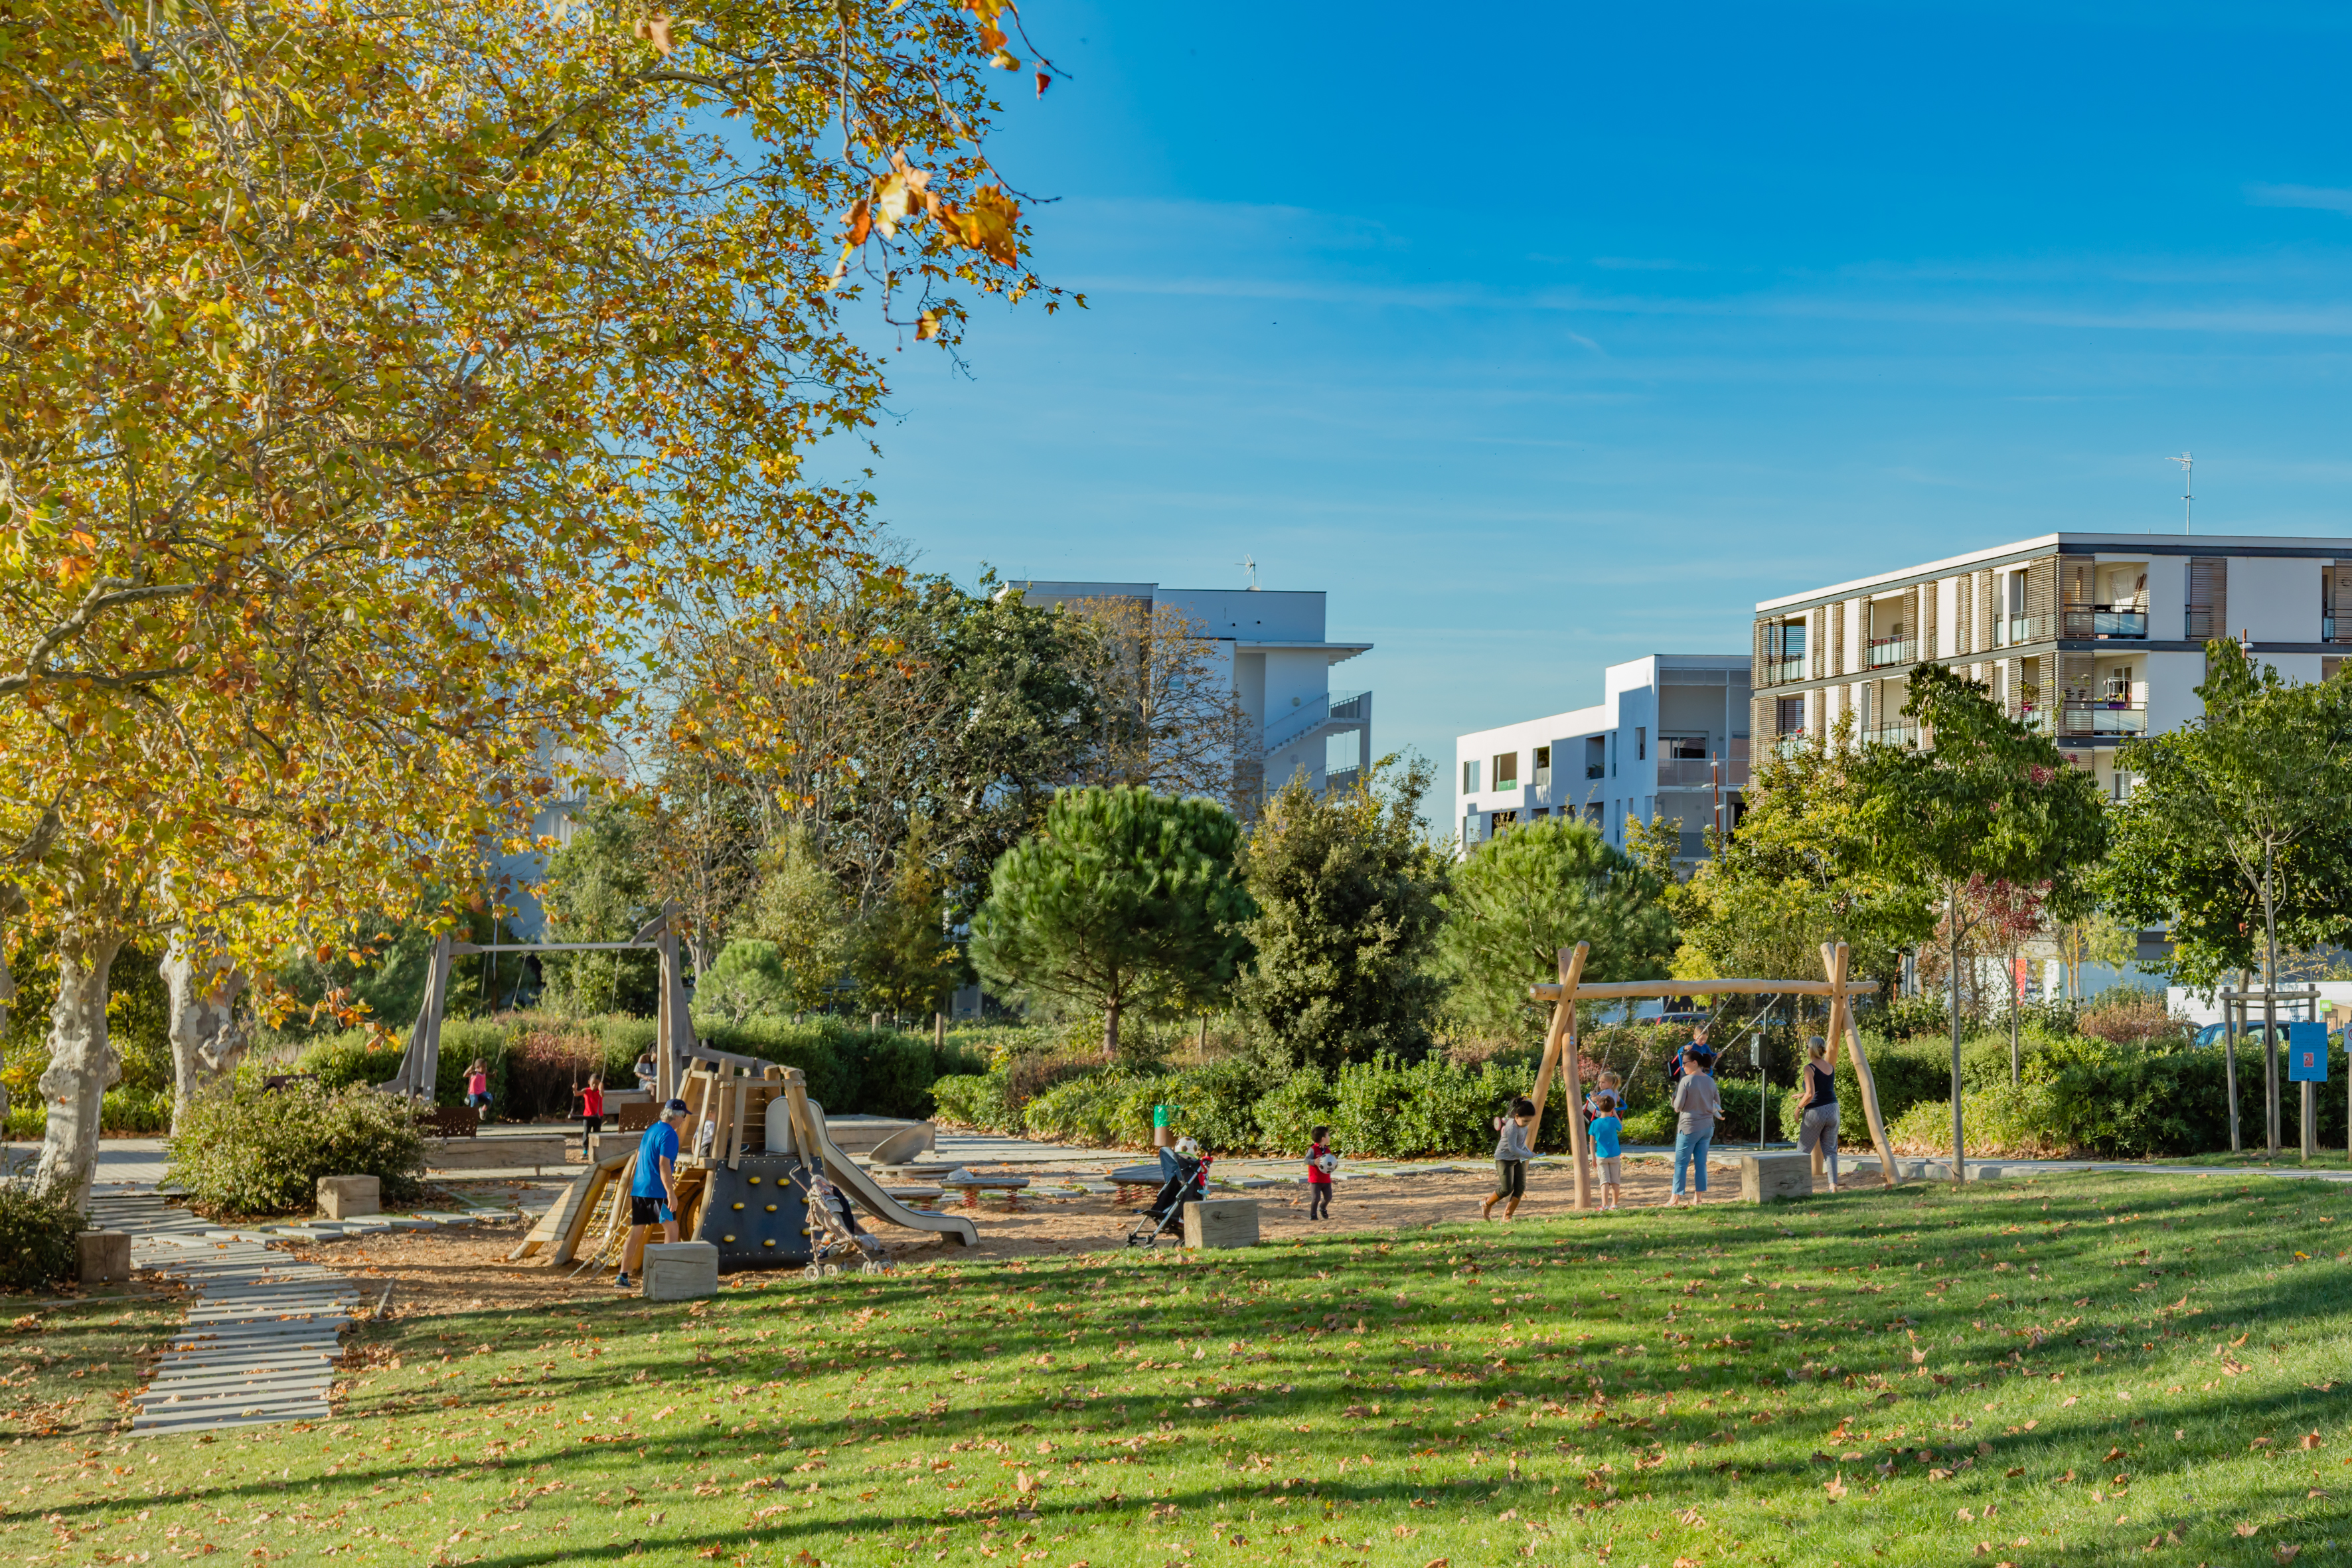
[(834, 1235), (1165, 1216)]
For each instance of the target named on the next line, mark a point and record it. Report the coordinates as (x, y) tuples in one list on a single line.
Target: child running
[(1319, 1164), (1605, 1129), (592, 1113)]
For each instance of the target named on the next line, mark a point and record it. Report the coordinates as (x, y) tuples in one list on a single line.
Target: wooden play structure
[(1559, 1042), (752, 1141)]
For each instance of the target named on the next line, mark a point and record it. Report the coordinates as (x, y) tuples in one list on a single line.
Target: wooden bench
[(635, 1118), (472, 1154)]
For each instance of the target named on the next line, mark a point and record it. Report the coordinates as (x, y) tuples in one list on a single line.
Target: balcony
[(1543, 778), (1701, 773), (2036, 717), (1781, 671), (2014, 630), (2107, 622), (1893, 735), (2104, 720), (1331, 710), (2334, 628), (1885, 651), (1788, 742), (1592, 770)]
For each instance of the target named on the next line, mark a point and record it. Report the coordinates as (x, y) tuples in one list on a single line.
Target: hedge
[(535, 1060), (37, 1237), (243, 1150), (126, 1112)]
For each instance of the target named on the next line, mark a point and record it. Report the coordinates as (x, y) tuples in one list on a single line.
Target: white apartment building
[(1669, 738), (2098, 639), (1275, 646)]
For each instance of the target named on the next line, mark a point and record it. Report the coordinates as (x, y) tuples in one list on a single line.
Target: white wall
[(2275, 599), (1947, 618), (2172, 682), (2167, 596)]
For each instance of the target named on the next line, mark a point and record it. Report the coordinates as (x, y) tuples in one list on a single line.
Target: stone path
[(264, 1329)]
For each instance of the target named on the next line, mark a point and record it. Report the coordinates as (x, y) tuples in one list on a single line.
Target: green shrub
[(1097, 1108), (136, 1112), (1436, 1106), (976, 1100), (28, 1119), (353, 1056), (37, 1237), (1288, 1112), (244, 1152), (2011, 1121)]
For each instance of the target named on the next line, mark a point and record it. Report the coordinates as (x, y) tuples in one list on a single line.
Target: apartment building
[(1273, 645), (1669, 738), (2097, 638)]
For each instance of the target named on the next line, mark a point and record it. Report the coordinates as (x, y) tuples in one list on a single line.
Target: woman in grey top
[(1511, 1157), (1697, 1103)]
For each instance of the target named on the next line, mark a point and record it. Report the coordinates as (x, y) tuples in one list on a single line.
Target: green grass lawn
[(2078, 1369)]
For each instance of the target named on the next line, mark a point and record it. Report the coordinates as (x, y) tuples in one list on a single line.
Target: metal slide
[(851, 1178)]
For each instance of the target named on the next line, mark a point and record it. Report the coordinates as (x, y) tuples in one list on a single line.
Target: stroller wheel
[(813, 1272), (831, 1270)]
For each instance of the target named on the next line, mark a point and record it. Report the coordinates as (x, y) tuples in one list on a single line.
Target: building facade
[(2096, 638), (1668, 739), (1273, 645)]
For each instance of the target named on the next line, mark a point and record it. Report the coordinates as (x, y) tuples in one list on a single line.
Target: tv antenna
[(2187, 499), (1249, 563)]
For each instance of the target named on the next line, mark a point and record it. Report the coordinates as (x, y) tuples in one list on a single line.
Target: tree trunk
[(83, 1064), (1952, 926), (206, 1038), (2269, 1007), (2010, 982), (1110, 1032)]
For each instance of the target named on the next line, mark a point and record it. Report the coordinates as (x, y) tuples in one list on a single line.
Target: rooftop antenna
[(1249, 564), (2187, 499)]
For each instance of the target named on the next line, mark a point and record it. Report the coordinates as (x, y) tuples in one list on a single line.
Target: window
[(1784, 650), (1504, 821), (1469, 778), (1543, 768), (1506, 771), (1683, 748), (2119, 684), (1596, 756), (1641, 743), (1592, 812), (1538, 813), (1788, 717), (1615, 746)]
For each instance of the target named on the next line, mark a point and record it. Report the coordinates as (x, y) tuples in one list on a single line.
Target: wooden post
[(939, 1031), (742, 1104), (1834, 958), (1560, 1043)]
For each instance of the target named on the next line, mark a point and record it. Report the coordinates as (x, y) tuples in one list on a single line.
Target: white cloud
[(2324, 198)]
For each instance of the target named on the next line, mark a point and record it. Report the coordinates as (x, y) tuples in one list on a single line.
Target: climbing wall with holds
[(756, 1214)]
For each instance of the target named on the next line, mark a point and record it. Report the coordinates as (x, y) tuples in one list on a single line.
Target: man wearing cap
[(653, 1194)]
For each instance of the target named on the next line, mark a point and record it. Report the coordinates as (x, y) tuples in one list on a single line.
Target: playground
[(2075, 1368)]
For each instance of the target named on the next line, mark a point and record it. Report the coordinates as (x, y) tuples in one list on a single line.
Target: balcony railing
[(2200, 623), (2334, 628), (1592, 770), (1885, 651), (2107, 622), (2035, 717), (1332, 708), (2012, 630), (1893, 734), (1780, 671), (2101, 719), (1543, 778), (1788, 742), (1701, 773)]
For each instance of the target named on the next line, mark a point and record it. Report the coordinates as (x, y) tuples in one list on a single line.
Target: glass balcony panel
[(1780, 671), (1885, 651), (2105, 719)]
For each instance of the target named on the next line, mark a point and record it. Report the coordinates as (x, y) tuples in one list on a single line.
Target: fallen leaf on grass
[(2249, 1529), (2286, 1554), (1836, 1489), (2308, 1440)]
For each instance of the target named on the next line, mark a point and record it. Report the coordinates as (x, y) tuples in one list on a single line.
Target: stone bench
[(532, 1151), (1763, 1177), (1221, 1222)]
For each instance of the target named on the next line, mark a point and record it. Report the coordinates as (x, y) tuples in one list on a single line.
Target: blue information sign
[(2307, 1053)]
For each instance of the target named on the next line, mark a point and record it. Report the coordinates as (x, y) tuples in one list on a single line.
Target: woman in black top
[(1819, 1098)]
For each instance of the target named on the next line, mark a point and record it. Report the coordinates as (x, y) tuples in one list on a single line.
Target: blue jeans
[(1690, 1153)]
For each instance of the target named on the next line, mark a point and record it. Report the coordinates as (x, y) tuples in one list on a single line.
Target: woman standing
[(1697, 1104), (1820, 1101), (1511, 1157)]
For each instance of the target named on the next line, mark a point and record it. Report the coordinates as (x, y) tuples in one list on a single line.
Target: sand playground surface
[(455, 1271)]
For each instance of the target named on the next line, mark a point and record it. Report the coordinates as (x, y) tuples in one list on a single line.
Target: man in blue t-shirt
[(653, 1193)]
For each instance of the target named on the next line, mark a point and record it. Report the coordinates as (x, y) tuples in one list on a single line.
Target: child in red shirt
[(591, 1112), (1319, 1164)]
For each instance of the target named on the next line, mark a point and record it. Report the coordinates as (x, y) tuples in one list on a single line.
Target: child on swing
[(592, 1113)]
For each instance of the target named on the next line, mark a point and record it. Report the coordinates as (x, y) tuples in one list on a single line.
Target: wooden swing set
[(1560, 1053)]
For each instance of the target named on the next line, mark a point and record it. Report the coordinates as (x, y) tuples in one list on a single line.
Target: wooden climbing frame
[(1560, 1040)]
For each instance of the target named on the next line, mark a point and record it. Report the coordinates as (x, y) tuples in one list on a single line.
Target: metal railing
[(1788, 742), (2097, 719), (1700, 772), (1893, 734), (1335, 706), (1885, 651), (2121, 621), (1781, 671), (2012, 630)]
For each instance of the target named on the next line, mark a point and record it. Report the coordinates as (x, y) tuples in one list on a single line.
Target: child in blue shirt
[(1605, 1129)]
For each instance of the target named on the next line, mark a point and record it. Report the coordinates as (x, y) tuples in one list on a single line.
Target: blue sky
[(1549, 338)]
